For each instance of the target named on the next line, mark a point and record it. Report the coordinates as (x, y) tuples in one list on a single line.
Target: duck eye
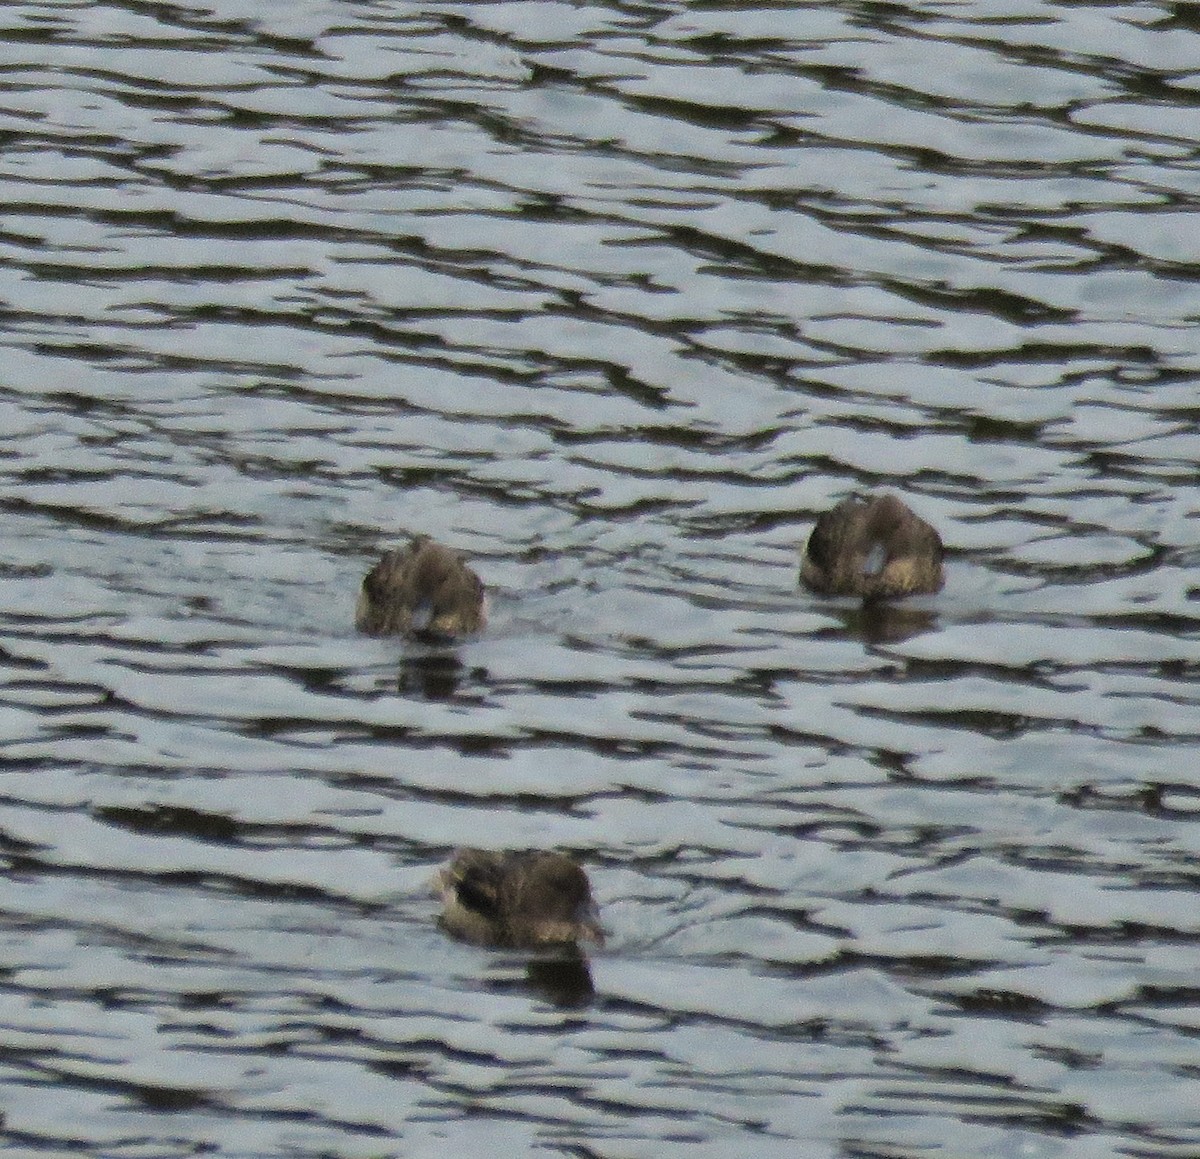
[(475, 895)]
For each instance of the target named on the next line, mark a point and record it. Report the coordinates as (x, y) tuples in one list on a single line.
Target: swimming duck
[(875, 548), (424, 587), (526, 900)]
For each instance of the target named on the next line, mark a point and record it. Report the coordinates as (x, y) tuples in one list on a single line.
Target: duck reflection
[(560, 977), (878, 622), (563, 979), (432, 676)]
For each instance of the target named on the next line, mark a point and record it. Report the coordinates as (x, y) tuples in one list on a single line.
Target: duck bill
[(590, 929)]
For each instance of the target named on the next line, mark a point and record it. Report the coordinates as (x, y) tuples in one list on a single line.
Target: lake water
[(614, 298)]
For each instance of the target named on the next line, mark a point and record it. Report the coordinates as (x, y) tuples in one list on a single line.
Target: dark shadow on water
[(879, 622), (432, 675), (562, 978)]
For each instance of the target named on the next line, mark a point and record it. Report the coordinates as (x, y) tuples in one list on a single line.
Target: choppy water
[(614, 298)]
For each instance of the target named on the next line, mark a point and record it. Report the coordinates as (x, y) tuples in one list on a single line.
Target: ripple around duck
[(615, 300)]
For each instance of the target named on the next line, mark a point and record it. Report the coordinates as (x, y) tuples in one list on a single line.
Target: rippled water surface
[(614, 298)]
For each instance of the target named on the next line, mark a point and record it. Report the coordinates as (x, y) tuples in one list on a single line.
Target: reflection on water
[(614, 300), (883, 622), (563, 981), (433, 676)]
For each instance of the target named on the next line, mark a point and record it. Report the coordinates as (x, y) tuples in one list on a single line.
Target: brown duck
[(424, 587), (875, 548), (526, 900)]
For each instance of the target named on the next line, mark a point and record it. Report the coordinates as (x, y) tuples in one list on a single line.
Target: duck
[(875, 547), (526, 899), (424, 587)]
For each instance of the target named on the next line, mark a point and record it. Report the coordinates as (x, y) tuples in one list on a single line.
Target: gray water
[(614, 298)]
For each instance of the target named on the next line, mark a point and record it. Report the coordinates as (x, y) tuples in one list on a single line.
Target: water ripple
[(615, 299)]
